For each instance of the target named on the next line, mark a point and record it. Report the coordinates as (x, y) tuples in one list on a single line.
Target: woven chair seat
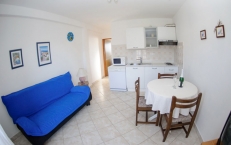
[(181, 118), (142, 102)]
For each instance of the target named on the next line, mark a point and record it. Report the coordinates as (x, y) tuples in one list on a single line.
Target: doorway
[(106, 54)]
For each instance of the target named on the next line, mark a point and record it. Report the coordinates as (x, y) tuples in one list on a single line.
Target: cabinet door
[(132, 74), (166, 33), (135, 38), (151, 37), (171, 70), (151, 73)]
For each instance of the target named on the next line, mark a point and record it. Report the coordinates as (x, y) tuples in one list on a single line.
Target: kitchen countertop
[(150, 65)]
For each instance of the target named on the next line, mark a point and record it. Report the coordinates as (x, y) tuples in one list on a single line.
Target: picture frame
[(43, 53), (16, 59), (203, 34), (220, 31)]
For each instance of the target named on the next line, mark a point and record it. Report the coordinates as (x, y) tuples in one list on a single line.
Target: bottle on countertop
[(181, 79)]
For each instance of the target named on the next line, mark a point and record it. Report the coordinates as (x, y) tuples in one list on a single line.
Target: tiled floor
[(110, 120)]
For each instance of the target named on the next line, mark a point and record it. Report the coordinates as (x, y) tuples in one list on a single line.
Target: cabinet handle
[(134, 68), (171, 69), (154, 68)]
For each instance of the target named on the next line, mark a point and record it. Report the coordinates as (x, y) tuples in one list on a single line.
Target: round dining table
[(159, 94)]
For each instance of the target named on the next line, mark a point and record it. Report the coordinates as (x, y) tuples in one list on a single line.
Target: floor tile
[(70, 131), (116, 117), (73, 141), (124, 126), (102, 122), (110, 110), (149, 129), (148, 142), (135, 137), (91, 138), (108, 133), (97, 114), (86, 127), (117, 141)]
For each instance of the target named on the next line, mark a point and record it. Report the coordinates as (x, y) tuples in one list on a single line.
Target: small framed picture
[(220, 31), (44, 53), (16, 58), (203, 34)]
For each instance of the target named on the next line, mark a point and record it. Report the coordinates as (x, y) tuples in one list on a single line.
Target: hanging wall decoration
[(203, 34), (220, 30), (16, 58), (70, 36), (43, 53)]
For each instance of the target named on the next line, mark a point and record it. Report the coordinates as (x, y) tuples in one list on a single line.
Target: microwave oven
[(118, 61)]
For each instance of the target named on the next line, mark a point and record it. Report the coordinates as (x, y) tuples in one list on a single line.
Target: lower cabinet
[(151, 73), (132, 74), (170, 70), (146, 74)]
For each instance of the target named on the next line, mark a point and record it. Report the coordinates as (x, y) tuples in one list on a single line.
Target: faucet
[(140, 58)]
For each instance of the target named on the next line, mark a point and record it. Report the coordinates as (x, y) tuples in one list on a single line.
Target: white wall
[(207, 62), (118, 28), (22, 28), (95, 55)]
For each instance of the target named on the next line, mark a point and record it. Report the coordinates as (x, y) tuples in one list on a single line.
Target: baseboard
[(199, 135), (16, 136)]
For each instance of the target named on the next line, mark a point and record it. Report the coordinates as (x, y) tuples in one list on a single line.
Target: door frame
[(104, 57)]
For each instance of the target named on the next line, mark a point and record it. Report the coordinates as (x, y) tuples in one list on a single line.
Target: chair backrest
[(137, 88), (164, 76), (185, 103)]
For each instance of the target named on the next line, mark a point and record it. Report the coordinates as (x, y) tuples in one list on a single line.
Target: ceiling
[(102, 12)]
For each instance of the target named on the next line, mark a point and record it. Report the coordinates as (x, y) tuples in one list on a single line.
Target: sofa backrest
[(34, 98)]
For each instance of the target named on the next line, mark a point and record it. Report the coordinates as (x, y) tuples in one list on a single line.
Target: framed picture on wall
[(16, 58), (203, 34), (220, 31), (44, 53)]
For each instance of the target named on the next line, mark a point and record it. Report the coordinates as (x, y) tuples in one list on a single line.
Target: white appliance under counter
[(117, 78)]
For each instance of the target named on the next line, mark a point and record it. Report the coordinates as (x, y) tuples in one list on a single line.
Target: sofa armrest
[(28, 126), (81, 89)]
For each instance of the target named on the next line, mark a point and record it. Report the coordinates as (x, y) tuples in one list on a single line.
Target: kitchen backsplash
[(152, 55)]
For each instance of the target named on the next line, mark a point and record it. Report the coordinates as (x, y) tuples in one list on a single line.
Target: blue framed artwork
[(16, 58), (70, 36), (43, 53)]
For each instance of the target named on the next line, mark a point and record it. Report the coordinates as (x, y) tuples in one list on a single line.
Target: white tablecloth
[(159, 94)]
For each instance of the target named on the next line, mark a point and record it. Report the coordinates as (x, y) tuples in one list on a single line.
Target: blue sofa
[(40, 110)]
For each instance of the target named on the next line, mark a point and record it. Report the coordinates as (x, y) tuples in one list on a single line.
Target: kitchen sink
[(140, 63)]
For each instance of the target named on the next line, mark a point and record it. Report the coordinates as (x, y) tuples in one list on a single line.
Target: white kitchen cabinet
[(166, 33), (132, 74), (151, 73), (171, 70), (135, 38), (151, 37)]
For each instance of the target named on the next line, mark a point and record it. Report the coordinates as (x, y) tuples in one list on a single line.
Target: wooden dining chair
[(141, 106), (164, 76), (181, 121)]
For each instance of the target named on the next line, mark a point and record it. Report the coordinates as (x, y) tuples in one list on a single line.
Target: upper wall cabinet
[(167, 36), (151, 37), (166, 33), (135, 38)]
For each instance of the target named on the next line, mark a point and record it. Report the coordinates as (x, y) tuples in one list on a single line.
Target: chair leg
[(166, 134), (146, 116), (136, 116), (158, 117), (189, 129)]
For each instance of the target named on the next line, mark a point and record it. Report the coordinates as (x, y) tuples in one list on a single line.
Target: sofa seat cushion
[(42, 122)]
